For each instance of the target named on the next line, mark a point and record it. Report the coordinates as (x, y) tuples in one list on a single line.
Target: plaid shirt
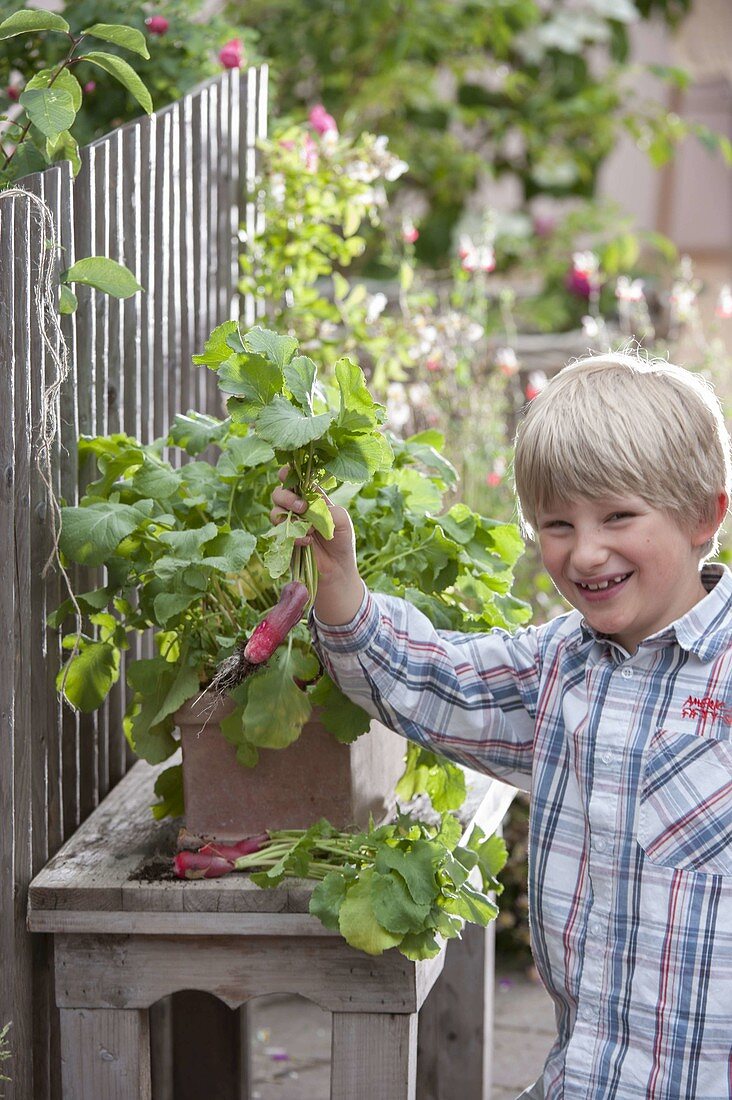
[(629, 762)]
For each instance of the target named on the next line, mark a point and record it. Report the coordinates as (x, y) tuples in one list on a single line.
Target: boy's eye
[(621, 515)]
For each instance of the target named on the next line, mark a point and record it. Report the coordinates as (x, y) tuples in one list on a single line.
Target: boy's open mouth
[(602, 589)]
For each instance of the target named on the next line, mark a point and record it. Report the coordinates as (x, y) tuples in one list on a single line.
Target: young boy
[(618, 715)]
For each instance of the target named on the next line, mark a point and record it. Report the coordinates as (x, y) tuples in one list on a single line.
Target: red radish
[(277, 623), (233, 851), (201, 865)]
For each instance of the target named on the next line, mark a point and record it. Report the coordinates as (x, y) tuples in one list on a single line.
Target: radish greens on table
[(399, 885)]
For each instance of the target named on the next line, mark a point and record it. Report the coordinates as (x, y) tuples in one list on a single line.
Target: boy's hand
[(340, 588)]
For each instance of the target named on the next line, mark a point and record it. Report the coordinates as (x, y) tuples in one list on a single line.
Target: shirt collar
[(705, 630)]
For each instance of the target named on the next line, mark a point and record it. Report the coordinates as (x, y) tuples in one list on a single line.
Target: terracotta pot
[(289, 788)]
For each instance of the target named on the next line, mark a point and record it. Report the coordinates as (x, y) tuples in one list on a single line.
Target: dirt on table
[(156, 868)]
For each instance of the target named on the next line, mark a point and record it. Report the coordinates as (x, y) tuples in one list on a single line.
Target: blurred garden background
[(461, 195)]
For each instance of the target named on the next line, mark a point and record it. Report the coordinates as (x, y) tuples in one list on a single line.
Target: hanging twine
[(44, 297)]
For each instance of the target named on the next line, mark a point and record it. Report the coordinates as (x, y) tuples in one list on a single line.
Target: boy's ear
[(707, 531), (722, 507)]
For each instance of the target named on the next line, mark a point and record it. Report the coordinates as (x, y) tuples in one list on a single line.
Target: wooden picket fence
[(164, 195)]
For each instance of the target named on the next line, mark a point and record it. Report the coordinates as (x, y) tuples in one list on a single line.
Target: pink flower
[(535, 384), (433, 364), (310, 154), (321, 121), (410, 233), (476, 257), (506, 361), (90, 86), (544, 225), (578, 283), (584, 276), (231, 54), (493, 479), (724, 303), (157, 24), (13, 92)]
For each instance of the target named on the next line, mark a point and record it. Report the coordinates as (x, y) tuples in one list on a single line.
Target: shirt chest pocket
[(685, 817)]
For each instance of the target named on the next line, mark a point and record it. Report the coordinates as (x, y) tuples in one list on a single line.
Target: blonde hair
[(619, 423)]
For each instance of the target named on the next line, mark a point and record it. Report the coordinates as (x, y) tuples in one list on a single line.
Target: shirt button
[(627, 673), (586, 1012), (607, 758), (595, 929), (599, 844)]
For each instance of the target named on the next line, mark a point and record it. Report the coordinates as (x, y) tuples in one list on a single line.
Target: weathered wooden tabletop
[(96, 882)]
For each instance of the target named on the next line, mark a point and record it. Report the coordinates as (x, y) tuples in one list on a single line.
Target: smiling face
[(628, 567)]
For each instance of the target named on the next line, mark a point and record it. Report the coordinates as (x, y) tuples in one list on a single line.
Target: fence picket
[(11, 270), (161, 195), (24, 801), (112, 759), (85, 187), (69, 485), (198, 218)]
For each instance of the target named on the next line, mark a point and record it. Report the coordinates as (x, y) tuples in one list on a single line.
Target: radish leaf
[(287, 427), (276, 708), (358, 922), (88, 677), (89, 534), (278, 349)]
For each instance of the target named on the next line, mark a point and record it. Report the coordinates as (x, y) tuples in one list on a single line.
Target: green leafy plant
[(177, 48), (465, 90), (40, 134), (189, 551), (400, 885), (51, 99), (319, 195)]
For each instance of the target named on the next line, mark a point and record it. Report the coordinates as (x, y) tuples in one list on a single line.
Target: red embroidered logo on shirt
[(706, 707)]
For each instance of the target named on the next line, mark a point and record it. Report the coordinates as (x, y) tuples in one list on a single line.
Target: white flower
[(376, 306), (362, 172), (329, 140), (419, 393), (474, 332), (590, 327), (396, 169), (629, 291), (482, 258), (585, 262), (277, 188), (683, 301), (724, 303), (397, 406), (535, 383), (506, 360)]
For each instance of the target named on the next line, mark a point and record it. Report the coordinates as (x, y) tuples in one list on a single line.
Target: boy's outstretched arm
[(340, 588)]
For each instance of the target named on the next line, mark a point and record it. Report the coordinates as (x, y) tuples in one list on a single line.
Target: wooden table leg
[(374, 1054), (105, 1053), (455, 1049)]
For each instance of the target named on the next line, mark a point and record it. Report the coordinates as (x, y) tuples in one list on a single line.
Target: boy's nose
[(588, 554)]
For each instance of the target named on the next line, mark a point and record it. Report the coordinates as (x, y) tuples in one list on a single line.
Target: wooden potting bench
[(121, 943)]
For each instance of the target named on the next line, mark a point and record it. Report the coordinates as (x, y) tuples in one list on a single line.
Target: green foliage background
[(179, 59)]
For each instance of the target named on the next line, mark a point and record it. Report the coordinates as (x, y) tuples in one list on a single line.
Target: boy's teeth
[(604, 584)]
